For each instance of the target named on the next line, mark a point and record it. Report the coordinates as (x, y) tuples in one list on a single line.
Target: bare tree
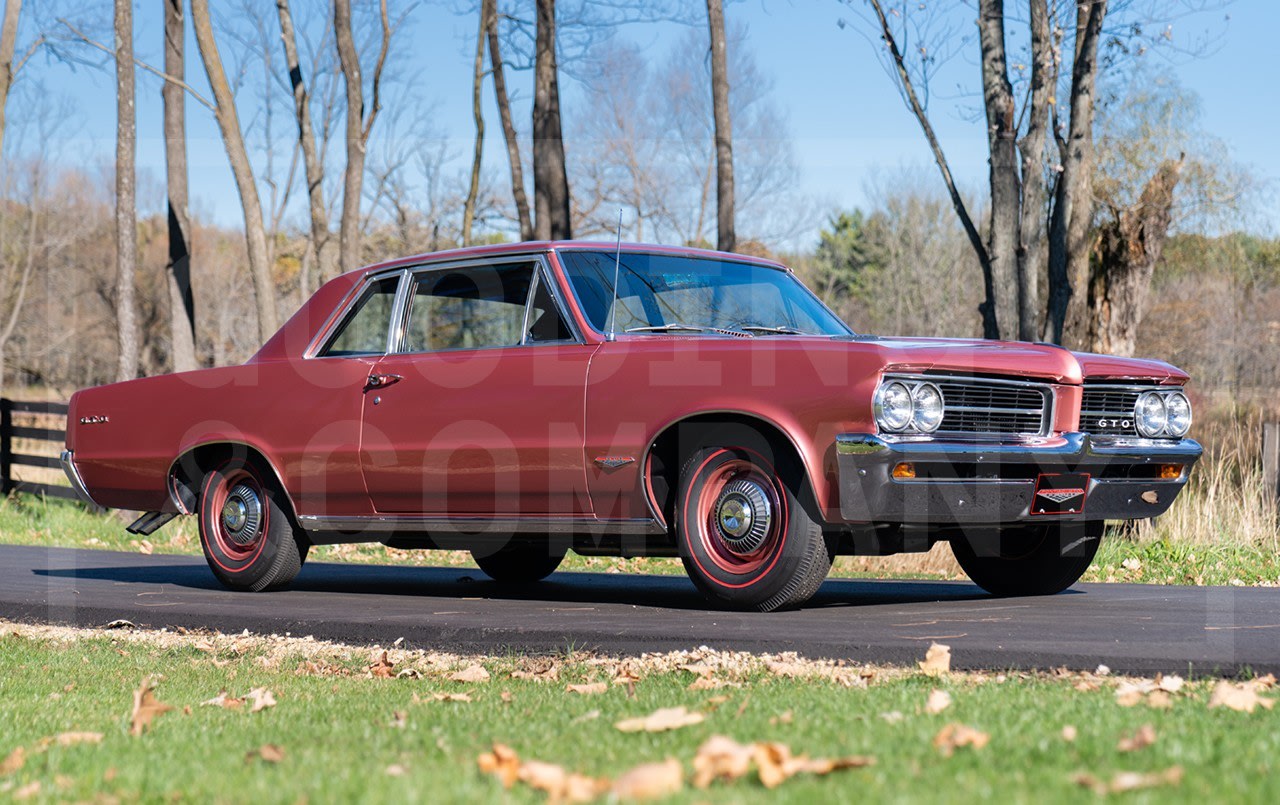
[(126, 207), (498, 68), (726, 239), (359, 125), (182, 311), (552, 218), (477, 84), (238, 156), (8, 45)]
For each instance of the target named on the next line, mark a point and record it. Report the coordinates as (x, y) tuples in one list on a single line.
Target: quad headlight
[(1162, 413), (908, 405)]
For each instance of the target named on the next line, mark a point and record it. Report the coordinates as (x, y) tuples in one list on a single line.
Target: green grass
[(338, 740), (27, 520)]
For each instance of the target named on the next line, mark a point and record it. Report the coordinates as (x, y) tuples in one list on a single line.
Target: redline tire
[(519, 562), (1032, 560), (246, 532), (746, 536)]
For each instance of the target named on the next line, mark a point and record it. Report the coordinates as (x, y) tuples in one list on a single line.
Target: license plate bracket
[(1060, 493)]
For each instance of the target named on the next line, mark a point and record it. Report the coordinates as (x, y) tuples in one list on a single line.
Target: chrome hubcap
[(743, 516), (242, 514)]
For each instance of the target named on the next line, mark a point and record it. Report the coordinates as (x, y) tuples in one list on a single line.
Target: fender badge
[(94, 420), (613, 462)]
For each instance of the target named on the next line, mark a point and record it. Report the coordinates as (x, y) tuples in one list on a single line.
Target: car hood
[(1021, 358)]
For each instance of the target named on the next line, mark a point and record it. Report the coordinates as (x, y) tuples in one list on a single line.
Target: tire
[(1033, 560), (734, 557), (246, 530), (520, 562)]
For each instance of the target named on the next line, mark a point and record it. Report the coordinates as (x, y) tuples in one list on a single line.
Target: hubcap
[(242, 514), (743, 516)]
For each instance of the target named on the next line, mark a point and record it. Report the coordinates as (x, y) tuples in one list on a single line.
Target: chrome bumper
[(974, 483), (73, 475)]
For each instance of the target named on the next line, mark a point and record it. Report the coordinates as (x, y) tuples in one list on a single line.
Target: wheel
[(519, 562), (746, 536), (1033, 560), (246, 531)]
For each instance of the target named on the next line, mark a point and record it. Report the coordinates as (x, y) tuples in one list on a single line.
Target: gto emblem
[(1115, 423), (613, 462), (1060, 495), (93, 420)]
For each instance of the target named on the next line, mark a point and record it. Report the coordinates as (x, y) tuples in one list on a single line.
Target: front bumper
[(73, 476), (975, 483)]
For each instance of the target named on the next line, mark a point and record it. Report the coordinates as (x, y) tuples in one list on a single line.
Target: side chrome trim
[(67, 459), (464, 524)]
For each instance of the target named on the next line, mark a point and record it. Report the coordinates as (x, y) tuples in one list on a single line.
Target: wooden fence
[(10, 432)]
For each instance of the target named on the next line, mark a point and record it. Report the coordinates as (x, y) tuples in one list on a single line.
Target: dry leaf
[(409, 673), (710, 683), (937, 660), (721, 758), (73, 738), (507, 697), (892, 717), (786, 717), (15, 761), (1243, 697), (396, 770), (267, 753), (1130, 781), (451, 697), (626, 677), (1264, 682), (539, 669), (775, 764), (472, 673), (145, 707), (262, 699), (560, 785), (27, 791), (669, 718), (1159, 700), (399, 720), (650, 781), (952, 736), (590, 715), (121, 623), (502, 762), (145, 547), (381, 667), (590, 689), (1144, 737), (939, 700), (223, 700), (1069, 733), (1169, 684)]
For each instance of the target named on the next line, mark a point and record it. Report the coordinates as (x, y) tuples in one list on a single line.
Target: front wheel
[(747, 539), (519, 562), (1032, 560), (248, 538)]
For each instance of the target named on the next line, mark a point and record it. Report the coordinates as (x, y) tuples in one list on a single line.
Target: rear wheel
[(1030, 560), (519, 562), (247, 534), (747, 538)]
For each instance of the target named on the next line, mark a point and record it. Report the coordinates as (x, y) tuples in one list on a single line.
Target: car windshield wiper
[(760, 328), (675, 327)]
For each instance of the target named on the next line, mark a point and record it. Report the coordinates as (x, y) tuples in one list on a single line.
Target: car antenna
[(617, 261)]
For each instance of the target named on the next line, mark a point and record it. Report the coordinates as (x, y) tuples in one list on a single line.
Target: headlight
[(1150, 414), (926, 407), (1178, 414), (893, 406)]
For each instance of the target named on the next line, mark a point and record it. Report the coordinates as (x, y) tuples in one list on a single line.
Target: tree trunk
[(321, 238), (182, 310), (550, 177), (1073, 201), (1128, 249), (1006, 188), (126, 209), (726, 239), (1032, 150), (508, 127), (8, 44), (349, 238), (477, 84), (232, 138)]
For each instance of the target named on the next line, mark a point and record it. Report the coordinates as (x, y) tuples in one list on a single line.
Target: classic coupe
[(520, 401)]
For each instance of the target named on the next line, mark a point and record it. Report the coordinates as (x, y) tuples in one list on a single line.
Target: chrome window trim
[(322, 336), (1047, 417)]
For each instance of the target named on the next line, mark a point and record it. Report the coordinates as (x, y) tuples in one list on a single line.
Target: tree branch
[(160, 73)]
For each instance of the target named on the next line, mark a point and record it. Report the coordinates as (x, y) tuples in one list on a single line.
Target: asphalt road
[(1130, 627)]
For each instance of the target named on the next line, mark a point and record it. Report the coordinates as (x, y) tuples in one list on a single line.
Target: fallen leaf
[(590, 689), (1141, 739), (937, 660), (267, 753), (1132, 564), (502, 762), (721, 758), (396, 770), (13, 762), (1159, 700), (472, 673), (1264, 682), (146, 548), (27, 791), (560, 785), (1129, 781), (1069, 733), (939, 700), (145, 707), (1169, 684), (507, 697), (590, 715), (775, 763), (451, 697), (953, 736), (262, 699), (539, 669), (409, 673), (121, 623), (669, 718), (892, 717), (73, 738), (223, 700), (786, 717), (650, 781), (1242, 697), (709, 683), (381, 667)]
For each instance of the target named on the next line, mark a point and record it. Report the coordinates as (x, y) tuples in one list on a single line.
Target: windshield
[(673, 293)]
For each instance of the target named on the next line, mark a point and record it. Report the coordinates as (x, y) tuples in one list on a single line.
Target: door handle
[(382, 381)]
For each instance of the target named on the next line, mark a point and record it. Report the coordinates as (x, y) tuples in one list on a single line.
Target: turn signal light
[(1170, 472), (905, 470)]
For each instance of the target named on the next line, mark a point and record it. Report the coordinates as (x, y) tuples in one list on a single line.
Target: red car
[(519, 401)]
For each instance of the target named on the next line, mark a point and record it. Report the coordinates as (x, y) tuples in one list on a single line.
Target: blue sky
[(846, 118)]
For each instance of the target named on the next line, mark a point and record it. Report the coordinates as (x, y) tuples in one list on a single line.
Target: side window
[(545, 322), (364, 329), (475, 307)]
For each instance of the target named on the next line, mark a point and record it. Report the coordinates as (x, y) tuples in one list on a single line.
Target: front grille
[(991, 408), (1108, 411)]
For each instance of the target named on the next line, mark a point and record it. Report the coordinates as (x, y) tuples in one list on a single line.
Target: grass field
[(344, 732)]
